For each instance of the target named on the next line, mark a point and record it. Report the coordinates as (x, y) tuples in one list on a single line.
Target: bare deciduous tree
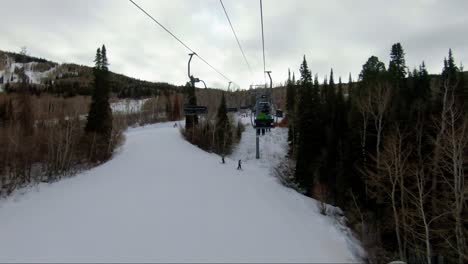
[(450, 161), (388, 179)]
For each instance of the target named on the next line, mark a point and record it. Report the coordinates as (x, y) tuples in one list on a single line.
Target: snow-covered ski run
[(161, 199)]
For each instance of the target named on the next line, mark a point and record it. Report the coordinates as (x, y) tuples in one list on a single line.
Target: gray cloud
[(333, 33)]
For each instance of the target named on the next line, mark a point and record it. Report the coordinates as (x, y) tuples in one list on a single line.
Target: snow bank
[(273, 146), (162, 199)]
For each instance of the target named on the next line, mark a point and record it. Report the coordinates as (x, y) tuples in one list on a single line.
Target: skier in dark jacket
[(239, 167)]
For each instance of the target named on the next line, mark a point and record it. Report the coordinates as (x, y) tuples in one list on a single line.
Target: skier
[(222, 160), (239, 167)]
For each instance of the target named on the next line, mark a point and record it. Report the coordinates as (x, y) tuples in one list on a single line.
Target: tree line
[(216, 132), (44, 138), (76, 80), (390, 149)]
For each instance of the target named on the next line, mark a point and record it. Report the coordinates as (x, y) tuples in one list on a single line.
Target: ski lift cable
[(237, 39), (180, 41)]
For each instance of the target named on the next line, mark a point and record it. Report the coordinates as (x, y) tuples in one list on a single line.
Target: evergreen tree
[(308, 134), (98, 59), (350, 86), (340, 94), (290, 109), (104, 62), (329, 139), (452, 79), (223, 131), (463, 90), (290, 94), (324, 91), (402, 95), (423, 84), (397, 66), (332, 79), (331, 91), (306, 74), (100, 114), (316, 85), (342, 139), (450, 71), (372, 70)]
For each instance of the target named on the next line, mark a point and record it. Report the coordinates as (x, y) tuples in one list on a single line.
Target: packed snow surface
[(162, 199)]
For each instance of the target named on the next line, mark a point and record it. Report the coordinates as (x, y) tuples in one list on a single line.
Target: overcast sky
[(332, 33)]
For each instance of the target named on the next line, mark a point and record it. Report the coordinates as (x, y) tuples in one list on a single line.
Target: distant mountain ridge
[(68, 78)]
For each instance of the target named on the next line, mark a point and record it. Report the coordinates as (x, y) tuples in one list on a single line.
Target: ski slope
[(161, 199)]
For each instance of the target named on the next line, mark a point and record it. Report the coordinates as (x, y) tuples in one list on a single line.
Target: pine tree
[(306, 74), (341, 144), (290, 109), (331, 91), (402, 95), (423, 85), (397, 66), (290, 94), (372, 70), (308, 131), (98, 59), (324, 91), (223, 131), (329, 154), (340, 93), (93, 119), (452, 78), (463, 89), (100, 114), (450, 71), (332, 79), (350, 86), (104, 62), (316, 85)]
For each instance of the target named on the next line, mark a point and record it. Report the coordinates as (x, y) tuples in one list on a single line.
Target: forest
[(390, 149)]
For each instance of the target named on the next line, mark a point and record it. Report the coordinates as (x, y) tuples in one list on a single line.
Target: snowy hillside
[(34, 72), (163, 200)]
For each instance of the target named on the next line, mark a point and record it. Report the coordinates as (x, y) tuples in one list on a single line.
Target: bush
[(204, 136), (285, 172), (49, 145)]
